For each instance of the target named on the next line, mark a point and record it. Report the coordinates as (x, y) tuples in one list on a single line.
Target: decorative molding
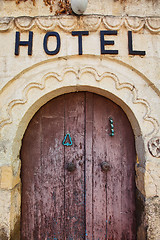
[(78, 74), (113, 23), (134, 24), (6, 24), (90, 22), (153, 24), (24, 23), (154, 147)]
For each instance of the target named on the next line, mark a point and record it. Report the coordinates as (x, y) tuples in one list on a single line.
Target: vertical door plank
[(52, 161), (89, 166), (114, 176), (74, 181), (128, 187), (120, 153), (30, 154), (99, 177), (43, 194)]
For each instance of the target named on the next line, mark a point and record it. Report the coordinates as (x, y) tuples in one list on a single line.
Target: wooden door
[(66, 194)]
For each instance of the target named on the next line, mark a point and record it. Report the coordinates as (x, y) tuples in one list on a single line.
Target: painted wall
[(142, 8), (132, 81)]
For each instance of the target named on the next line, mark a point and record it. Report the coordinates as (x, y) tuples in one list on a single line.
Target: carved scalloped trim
[(23, 100), (113, 23), (69, 23), (153, 24), (24, 23), (6, 24), (134, 23), (91, 23), (78, 73), (46, 23)]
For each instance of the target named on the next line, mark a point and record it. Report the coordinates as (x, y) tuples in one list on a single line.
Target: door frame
[(43, 82)]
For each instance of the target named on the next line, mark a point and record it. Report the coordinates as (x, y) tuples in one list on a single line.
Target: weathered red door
[(66, 194)]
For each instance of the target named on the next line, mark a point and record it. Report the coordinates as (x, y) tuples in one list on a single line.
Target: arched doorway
[(69, 192)]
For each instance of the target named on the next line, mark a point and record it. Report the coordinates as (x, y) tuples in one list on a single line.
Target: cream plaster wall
[(133, 82), (141, 8)]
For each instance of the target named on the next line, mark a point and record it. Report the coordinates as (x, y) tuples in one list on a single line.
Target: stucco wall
[(132, 81), (140, 8)]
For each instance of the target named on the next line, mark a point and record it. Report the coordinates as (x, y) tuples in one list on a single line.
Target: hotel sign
[(80, 35)]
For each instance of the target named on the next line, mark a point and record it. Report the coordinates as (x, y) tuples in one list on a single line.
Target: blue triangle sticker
[(65, 142)]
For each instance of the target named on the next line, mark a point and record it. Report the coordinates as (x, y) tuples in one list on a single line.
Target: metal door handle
[(71, 167), (105, 166)]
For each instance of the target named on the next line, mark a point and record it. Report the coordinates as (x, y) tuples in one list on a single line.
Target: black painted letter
[(130, 46), (80, 34), (23, 43), (104, 42), (55, 34)]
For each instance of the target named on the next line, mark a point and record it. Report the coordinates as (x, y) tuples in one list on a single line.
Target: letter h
[(23, 43)]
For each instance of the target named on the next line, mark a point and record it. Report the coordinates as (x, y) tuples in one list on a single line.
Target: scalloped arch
[(104, 75)]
